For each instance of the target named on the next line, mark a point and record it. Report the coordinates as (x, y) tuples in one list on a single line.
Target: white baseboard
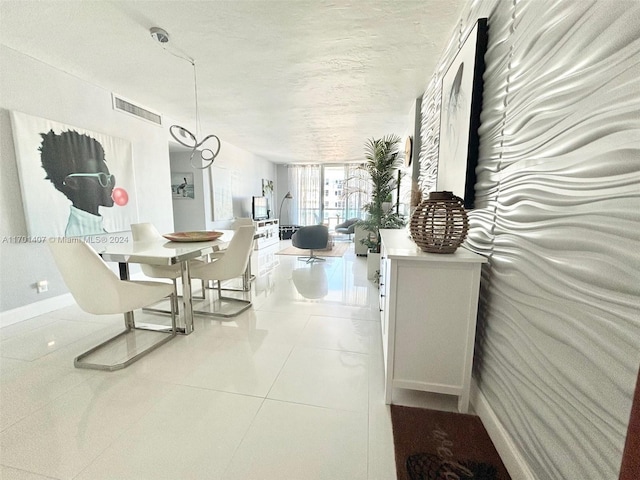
[(511, 457), (9, 317), (25, 312)]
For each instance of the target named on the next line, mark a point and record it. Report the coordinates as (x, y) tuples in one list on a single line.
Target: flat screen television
[(260, 208)]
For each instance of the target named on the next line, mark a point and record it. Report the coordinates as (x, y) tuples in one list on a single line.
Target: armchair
[(313, 237), (347, 227)]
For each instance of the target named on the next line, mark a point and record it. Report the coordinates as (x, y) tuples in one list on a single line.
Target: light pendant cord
[(195, 95), (187, 139)]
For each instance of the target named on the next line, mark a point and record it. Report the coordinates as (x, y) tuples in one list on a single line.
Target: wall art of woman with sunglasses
[(76, 166)]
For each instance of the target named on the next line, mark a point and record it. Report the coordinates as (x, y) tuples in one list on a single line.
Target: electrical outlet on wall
[(42, 286)]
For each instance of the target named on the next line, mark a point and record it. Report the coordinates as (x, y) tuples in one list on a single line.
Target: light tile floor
[(291, 389)]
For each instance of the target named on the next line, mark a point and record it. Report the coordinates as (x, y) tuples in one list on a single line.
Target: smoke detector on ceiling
[(159, 34)]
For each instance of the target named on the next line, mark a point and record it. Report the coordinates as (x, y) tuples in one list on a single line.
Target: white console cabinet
[(267, 233), (428, 307)]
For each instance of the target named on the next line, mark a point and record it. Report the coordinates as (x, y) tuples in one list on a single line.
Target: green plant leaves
[(383, 159)]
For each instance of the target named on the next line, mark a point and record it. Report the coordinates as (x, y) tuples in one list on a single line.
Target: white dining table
[(163, 252)]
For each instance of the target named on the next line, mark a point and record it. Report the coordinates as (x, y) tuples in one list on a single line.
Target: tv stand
[(266, 233), (287, 231)]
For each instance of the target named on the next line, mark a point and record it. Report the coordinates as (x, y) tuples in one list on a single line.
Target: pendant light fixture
[(182, 135)]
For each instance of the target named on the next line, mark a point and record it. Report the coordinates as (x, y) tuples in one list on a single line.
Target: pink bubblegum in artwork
[(120, 196)]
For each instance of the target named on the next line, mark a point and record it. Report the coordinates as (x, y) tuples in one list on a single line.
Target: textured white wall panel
[(558, 197)]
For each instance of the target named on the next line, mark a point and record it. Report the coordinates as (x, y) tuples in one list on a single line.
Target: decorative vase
[(439, 224)]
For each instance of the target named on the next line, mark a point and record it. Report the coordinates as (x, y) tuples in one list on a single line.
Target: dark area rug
[(435, 445)]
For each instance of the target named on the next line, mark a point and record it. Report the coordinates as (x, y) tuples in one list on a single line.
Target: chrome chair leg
[(312, 258), (131, 327), (245, 304), (177, 298)]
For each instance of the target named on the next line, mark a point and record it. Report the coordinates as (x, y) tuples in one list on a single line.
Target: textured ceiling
[(294, 81)]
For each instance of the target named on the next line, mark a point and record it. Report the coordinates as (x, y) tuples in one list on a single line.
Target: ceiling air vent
[(125, 106)]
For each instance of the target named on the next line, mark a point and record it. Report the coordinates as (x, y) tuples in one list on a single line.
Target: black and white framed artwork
[(460, 116), (74, 182)]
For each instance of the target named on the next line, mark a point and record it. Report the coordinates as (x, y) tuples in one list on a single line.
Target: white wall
[(558, 216), (189, 214), (246, 172), (234, 163), (33, 87)]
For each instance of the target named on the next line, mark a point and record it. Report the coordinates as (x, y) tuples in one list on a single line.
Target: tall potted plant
[(383, 159)]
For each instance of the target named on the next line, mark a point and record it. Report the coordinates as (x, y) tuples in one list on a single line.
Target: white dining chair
[(233, 224), (98, 290), (232, 264)]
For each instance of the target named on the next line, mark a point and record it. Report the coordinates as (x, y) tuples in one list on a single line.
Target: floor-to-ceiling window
[(333, 200), (327, 194), (357, 190), (304, 184)]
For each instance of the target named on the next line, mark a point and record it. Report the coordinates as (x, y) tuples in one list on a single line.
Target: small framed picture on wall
[(182, 185)]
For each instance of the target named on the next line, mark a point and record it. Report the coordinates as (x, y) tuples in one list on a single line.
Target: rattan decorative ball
[(439, 224)]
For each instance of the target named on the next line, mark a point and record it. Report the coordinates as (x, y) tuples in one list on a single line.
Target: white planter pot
[(373, 265)]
